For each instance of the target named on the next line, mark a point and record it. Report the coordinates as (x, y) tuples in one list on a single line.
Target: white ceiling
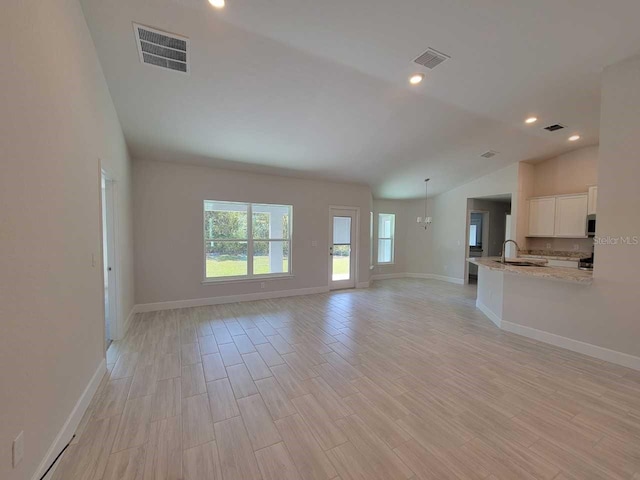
[(319, 88)]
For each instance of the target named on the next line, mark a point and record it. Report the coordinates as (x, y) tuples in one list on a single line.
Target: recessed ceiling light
[(217, 3), (416, 78), (531, 120), (574, 138)]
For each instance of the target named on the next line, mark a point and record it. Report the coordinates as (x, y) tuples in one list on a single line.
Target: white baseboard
[(362, 285), (70, 426), (388, 276), (428, 276), (249, 297), (489, 313), (601, 353), (433, 276)]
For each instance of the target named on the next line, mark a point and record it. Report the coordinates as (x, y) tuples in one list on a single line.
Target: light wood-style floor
[(406, 380)]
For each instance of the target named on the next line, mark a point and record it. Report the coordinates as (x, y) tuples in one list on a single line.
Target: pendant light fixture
[(425, 221)]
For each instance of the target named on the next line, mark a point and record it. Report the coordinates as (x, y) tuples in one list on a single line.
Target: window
[(386, 234), (244, 240), (473, 229)]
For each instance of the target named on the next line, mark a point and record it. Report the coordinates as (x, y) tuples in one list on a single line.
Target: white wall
[(168, 229), (57, 120), (617, 266), (604, 314)]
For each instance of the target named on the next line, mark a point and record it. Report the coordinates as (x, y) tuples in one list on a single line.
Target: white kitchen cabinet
[(593, 200), (571, 216), (542, 213)]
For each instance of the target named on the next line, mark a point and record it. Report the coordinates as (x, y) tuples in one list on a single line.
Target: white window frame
[(371, 240), (250, 276), (391, 238)]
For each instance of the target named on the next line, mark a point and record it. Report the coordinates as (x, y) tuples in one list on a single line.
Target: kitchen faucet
[(504, 250)]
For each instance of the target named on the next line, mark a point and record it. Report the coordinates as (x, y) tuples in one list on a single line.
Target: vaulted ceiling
[(319, 88)]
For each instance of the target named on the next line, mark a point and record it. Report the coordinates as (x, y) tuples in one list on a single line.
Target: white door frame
[(355, 244), (112, 253)]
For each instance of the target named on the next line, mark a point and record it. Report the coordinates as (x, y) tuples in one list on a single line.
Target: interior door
[(342, 251), (108, 260)]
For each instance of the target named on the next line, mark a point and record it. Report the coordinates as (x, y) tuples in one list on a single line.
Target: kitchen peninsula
[(536, 301)]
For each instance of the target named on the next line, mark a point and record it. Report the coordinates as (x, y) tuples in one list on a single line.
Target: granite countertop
[(554, 255), (552, 273)]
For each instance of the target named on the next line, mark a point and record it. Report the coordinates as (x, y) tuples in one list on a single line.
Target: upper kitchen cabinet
[(558, 216), (571, 216), (593, 200), (542, 213)]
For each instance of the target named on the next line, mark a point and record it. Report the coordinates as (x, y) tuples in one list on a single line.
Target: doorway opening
[(108, 259), (488, 226), (343, 249)]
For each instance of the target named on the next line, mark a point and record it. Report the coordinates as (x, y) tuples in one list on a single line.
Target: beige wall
[(57, 120), (525, 191), (399, 208), (447, 251), (441, 249), (417, 239), (572, 172), (168, 229), (412, 241), (497, 222)]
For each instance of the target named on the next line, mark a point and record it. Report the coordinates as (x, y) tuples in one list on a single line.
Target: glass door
[(342, 249)]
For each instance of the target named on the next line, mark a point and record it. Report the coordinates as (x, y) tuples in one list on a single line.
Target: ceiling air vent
[(553, 128), (489, 154), (431, 58), (162, 49)]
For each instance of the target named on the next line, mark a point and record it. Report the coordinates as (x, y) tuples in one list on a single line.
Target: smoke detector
[(431, 58), (162, 49)]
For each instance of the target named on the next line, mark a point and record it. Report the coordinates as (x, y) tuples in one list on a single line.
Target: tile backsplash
[(560, 244)]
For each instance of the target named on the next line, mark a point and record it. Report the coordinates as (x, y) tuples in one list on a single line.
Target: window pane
[(261, 224), (225, 220), (341, 266), (226, 259), (472, 235), (270, 257), (386, 225), (342, 230), (271, 221), (385, 251)]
